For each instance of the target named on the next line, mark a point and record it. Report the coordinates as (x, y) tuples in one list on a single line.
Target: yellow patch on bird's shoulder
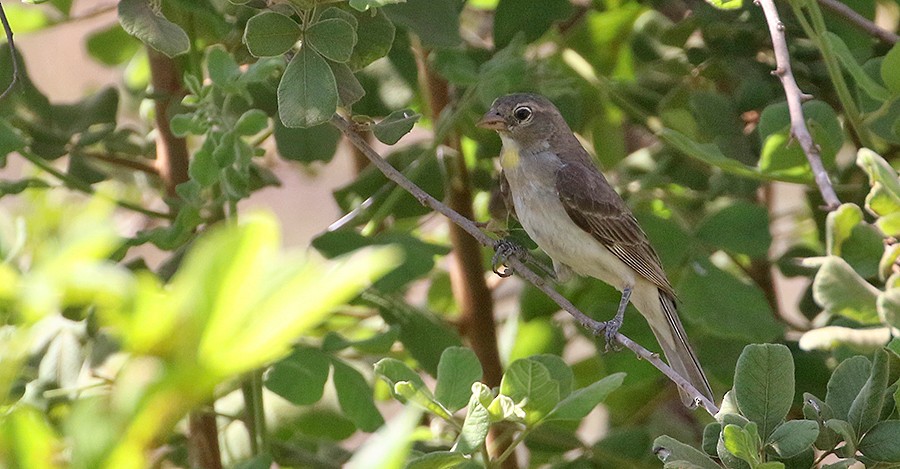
[(509, 155)]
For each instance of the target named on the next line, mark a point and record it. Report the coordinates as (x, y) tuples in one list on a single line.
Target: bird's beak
[(492, 120)]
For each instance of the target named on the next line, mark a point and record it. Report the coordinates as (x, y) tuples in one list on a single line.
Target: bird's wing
[(595, 207), (506, 195)]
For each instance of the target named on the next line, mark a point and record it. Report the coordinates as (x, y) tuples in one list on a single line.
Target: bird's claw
[(506, 249), (610, 331)]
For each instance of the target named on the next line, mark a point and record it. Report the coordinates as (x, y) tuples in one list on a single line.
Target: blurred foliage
[(104, 356)]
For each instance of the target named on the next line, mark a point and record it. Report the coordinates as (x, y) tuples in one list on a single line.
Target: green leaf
[(475, 427), (363, 5), (307, 93), (440, 460), (889, 67), (742, 443), (334, 38), (221, 66), (436, 22), (849, 63), (741, 228), (726, 4), (394, 371), (670, 450), (423, 398), (530, 385), (355, 397), (514, 16), (395, 125), (251, 122), (10, 139), (781, 154), (839, 226), (764, 385), (112, 46), (845, 383), (866, 408), (455, 65), (793, 437), (300, 377), (559, 372), (840, 290), (889, 306), (880, 443), (203, 168), (458, 369), (142, 21), (751, 318), (711, 154), (348, 86), (317, 143), (375, 35), (884, 196), (581, 402), (270, 34)]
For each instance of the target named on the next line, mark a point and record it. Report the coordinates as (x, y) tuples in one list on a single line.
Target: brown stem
[(123, 162), (203, 440), (596, 327), (171, 151)]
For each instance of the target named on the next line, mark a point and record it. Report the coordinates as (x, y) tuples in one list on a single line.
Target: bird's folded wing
[(595, 207)]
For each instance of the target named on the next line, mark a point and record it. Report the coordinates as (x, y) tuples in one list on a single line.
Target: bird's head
[(524, 117)]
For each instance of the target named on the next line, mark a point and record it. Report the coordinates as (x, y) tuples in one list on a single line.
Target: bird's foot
[(505, 249), (610, 330)]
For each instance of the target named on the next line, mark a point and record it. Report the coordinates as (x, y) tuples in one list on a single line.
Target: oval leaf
[(307, 94), (394, 126), (269, 34), (764, 385), (140, 20), (334, 38)]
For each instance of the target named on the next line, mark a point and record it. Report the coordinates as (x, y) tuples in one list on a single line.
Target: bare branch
[(12, 53), (860, 21), (795, 99), (596, 327)]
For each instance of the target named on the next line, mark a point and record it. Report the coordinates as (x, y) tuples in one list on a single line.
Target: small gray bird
[(573, 214)]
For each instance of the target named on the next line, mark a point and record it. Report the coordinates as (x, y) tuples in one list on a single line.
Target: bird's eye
[(522, 113)]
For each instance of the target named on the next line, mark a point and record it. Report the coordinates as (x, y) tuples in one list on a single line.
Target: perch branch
[(860, 21), (469, 226), (12, 53), (795, 99)]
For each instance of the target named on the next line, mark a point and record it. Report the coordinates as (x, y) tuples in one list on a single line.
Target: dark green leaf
[(781, 154), (436, 22), (395, 125), (221, 66), (334, 38), (269, 34), (140, 20), (581, 402), (793, 437), (300, 377), (307, 93), (251, 122), (764, 385), (849, 63), (375, 35), (394, 371), (750, 317), (112, 46), (889, 68), (10, 139), (348, 86), (559, 372), (845, 383), (845, 431), (455, 65), (363, 5), (317, 143), (741, 228), (711, 434), (880, 443), (355, 397), (475, 427), (530, 17), (458, 369), (866, 408)]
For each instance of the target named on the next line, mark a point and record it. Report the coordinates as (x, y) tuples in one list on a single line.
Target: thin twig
[(795, 99), (123, 162), (860, 21), (12, 53), (596, 327)]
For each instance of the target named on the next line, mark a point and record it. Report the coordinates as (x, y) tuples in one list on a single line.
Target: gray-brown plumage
[(569, 209)]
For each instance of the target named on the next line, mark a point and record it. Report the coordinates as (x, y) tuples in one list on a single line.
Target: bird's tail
[(681, 357)]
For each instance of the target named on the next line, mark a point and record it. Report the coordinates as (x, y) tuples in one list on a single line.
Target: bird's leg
[(505, 249), (614, 324)]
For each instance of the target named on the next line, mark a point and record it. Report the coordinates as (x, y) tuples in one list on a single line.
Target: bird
[(573, 214)]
